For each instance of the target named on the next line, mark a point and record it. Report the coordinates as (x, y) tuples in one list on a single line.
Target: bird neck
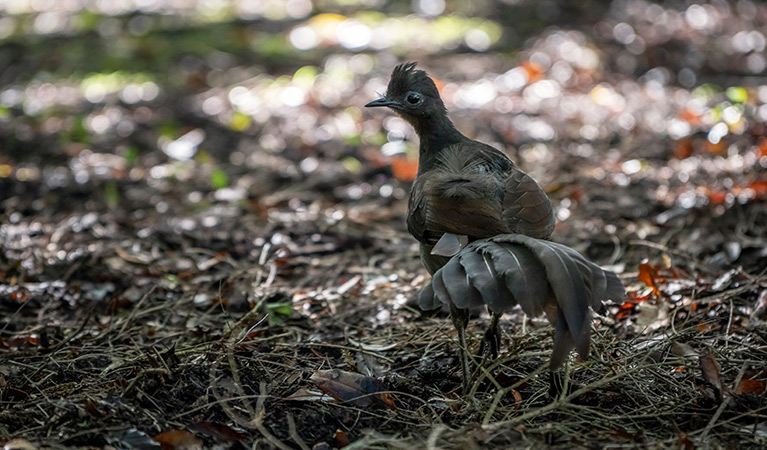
[(436, 132)]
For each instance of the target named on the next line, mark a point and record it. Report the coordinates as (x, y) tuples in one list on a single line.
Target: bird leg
[(460, 318), (491, 341)]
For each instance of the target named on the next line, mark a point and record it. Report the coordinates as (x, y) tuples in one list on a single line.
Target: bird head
[(411, 94)]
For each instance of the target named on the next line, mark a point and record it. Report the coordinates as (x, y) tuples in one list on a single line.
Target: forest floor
[(224, 261)]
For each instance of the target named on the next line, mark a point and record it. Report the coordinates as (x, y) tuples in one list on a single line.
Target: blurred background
[(239, 125), (95, 92)]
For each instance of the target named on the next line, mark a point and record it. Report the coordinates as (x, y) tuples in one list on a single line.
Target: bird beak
[(381, 102)]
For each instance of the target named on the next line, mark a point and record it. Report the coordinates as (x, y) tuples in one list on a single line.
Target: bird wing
[(460, 195), (416, 211), (526, 208)]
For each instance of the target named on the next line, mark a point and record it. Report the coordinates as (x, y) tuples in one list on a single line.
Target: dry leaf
[(666, 260), (648, 275), (308, 395), (759, 188), (711, 370), (517, 398), (341, 438), (19, 444), (683, 148), (354, 388), (222, 433), (178, 439), (683, 441), (404, 169), (762, 146), (755, 387), (622, 434), (760, 308), (690, 116), (534, 71), (680, 349)]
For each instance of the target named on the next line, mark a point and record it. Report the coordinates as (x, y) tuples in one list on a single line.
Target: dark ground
[(199, 225)]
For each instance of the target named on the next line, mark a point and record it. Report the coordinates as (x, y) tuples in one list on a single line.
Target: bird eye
[(413, 98)]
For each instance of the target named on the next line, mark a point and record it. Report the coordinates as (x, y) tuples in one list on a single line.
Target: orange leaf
[(683, 148), (341, 438), (576, 194), (178, 438), (759, 187), (626, 309), (690, 116), (353, 388), (719, 148), (750, 387), (404, 169), (717, 197), (648, 275), (533, 70), (762, 145), (517, 398), (439, 84), (636, 298)]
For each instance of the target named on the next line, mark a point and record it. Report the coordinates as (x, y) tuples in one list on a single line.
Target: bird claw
[(491, 344), (491, 340)]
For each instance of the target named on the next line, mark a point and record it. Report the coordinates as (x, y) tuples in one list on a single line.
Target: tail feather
[(504, 298), (563, 341), (481, 274), (568, 285), (427, 300), (594, 276), (614, 290), (464, 293), (540, 276), (440, 291), (524, 277)]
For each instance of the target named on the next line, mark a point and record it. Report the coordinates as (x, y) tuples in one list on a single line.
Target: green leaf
[(87, 20), (737, 94), (203, 157), (353, 139), (240, 122), (219, 179), (306, 75), (171, 281), (169, 130), (76, 132), (131, 155), (352, 164), (707, 91), (111, 194), (279, 312)]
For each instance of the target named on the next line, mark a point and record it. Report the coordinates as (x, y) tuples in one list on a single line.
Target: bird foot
[(491, 344), (491, 340)]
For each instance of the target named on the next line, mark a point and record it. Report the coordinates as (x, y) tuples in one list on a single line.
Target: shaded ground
[(189, 244)]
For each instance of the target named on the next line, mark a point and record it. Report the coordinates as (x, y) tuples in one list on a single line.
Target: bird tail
[(541, 276)]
